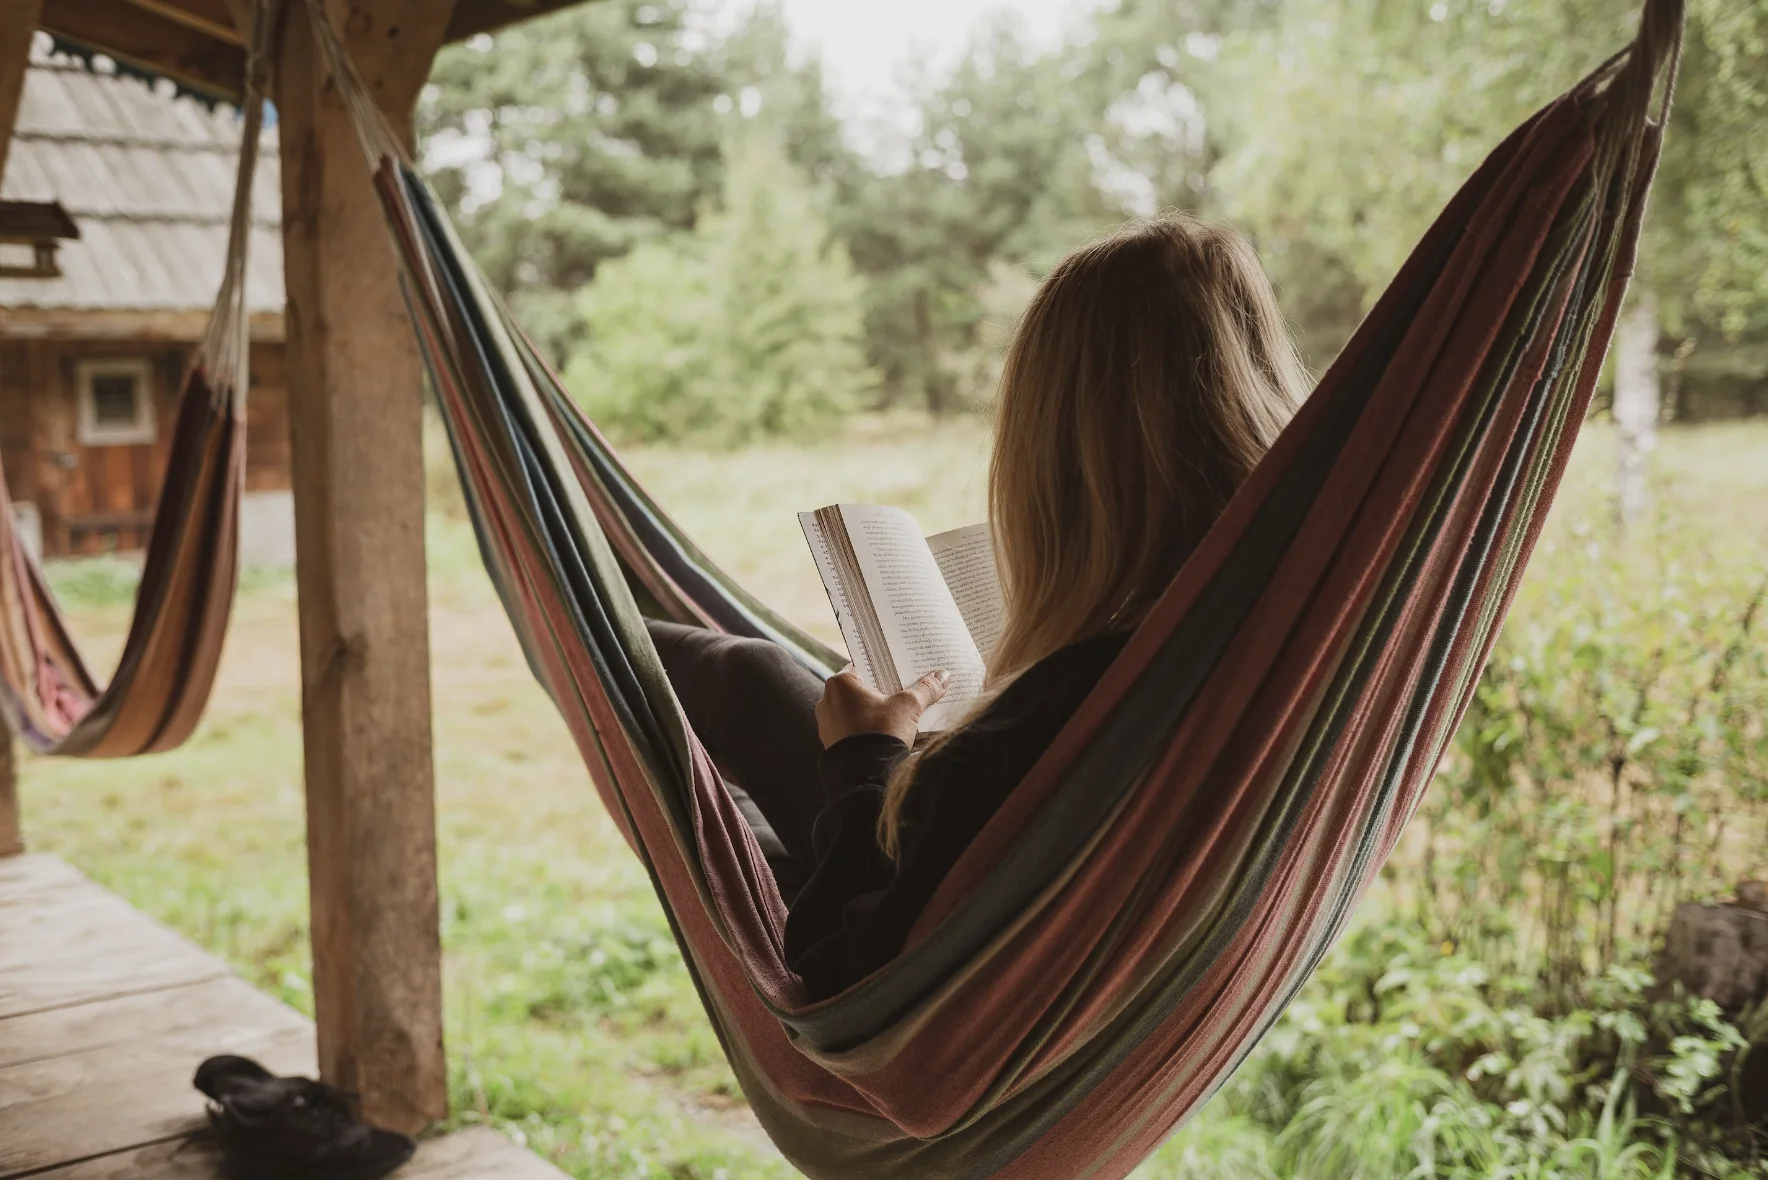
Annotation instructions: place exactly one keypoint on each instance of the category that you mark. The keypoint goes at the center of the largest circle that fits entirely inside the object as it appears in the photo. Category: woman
(1148, 376)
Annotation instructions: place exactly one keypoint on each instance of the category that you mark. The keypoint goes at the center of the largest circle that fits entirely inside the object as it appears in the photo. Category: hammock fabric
(1140, 910)
(167, 668)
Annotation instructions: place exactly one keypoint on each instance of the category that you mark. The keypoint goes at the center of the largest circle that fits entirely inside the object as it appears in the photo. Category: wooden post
(355, 406)
(12, 841)
(18, 24)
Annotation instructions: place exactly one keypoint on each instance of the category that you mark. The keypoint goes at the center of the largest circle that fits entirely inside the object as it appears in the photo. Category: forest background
(677, 213)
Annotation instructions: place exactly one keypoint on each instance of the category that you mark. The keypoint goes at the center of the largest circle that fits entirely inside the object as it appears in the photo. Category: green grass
(571, 1023)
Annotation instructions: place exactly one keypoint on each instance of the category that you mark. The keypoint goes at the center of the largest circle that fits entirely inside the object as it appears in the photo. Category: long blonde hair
(1146, 379)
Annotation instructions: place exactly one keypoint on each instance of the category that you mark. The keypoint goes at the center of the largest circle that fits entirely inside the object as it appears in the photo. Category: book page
(966, 561)
(841, 596)
(872, 641)
(920, 620)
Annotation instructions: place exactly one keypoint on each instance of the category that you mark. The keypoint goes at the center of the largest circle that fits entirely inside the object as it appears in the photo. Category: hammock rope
(1150, 897)
(167, 669)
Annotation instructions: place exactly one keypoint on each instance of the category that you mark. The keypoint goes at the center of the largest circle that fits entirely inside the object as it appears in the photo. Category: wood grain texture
(190, 1008)
(119, 1096)
(104, 1015)
(185, 1157)
(100, 1089)
(267, 421)
(137, 35)
(59, 323)
(472, 17)
(16, 397)
(12, 839)
(477, 1154)
(100, 499)
(355, 414)
(36, 873)
(79, 944)
(18, 24)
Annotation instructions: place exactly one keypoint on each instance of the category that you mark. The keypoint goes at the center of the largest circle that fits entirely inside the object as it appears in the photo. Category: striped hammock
(1166, 877)
(163, 678)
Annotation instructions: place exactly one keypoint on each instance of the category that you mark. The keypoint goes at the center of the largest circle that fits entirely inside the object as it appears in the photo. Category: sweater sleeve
(826, 926)
(855, 913)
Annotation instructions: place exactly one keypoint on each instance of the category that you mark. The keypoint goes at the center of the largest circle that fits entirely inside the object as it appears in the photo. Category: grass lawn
(571, 1023)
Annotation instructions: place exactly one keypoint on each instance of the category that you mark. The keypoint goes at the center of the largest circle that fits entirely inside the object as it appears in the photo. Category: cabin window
(116, 402)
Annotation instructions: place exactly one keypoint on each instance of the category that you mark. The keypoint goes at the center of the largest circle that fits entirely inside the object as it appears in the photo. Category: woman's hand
(849, 707)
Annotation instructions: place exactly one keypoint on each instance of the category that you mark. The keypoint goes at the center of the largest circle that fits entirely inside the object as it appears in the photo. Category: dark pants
(754, 709)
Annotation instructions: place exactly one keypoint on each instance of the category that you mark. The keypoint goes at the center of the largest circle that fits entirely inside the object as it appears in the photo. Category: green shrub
(1614, 761)
(1403, 1059)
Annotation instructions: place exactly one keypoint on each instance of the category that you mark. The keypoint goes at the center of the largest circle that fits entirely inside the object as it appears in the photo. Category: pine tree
(563, 142)
(751, 325)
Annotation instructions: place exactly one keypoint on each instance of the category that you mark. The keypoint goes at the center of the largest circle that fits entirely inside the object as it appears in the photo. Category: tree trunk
(932, 377)
(1636, 406)
(1720, 953)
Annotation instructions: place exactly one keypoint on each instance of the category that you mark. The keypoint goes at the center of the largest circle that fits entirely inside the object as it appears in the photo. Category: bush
(1404, 1059)
(1614, 761)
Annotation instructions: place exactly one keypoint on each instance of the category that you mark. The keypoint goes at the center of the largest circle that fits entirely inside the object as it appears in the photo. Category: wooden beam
(210, 17)
(171, 327)
(356, 417)
(149, 39)
(18, 24)
(12, 840)
(472, 17)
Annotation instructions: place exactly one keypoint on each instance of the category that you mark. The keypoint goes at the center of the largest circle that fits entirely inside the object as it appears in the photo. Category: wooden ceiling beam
(212, 18)
(201, 42)
(18, 24)
(146, 37)
(472, 17)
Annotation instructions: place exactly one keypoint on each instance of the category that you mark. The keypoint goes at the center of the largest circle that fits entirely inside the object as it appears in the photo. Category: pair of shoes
(275, 1128)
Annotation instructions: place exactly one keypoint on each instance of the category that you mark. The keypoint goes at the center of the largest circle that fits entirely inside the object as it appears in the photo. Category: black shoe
(219, 1077)
(272, 1128)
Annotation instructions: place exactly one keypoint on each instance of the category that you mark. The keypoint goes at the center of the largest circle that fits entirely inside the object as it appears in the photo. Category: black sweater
(855, 912)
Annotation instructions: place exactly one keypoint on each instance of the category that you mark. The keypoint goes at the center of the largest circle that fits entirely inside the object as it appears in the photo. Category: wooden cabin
(96, 330)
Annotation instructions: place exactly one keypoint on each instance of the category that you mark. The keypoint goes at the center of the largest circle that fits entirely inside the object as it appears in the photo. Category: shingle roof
(149, 180)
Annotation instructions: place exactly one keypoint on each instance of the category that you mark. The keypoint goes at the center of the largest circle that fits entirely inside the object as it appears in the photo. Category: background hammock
(163, 678)
(1170, 872)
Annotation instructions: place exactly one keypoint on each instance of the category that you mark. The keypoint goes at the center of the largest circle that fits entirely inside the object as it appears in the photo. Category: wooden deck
(104, 1015)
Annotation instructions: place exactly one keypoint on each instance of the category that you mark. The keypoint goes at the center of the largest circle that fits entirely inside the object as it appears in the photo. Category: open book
(907, 605)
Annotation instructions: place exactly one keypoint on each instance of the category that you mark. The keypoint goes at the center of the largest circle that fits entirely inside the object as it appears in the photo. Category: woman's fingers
(929, 689)
(850, 706)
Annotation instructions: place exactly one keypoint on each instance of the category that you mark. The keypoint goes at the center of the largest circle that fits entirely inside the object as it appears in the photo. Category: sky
(866, 45)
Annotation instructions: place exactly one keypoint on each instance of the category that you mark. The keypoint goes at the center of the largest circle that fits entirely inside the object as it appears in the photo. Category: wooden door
(115, 456)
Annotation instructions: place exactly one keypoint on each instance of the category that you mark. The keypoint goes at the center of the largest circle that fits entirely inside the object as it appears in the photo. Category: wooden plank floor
(104, 1015)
